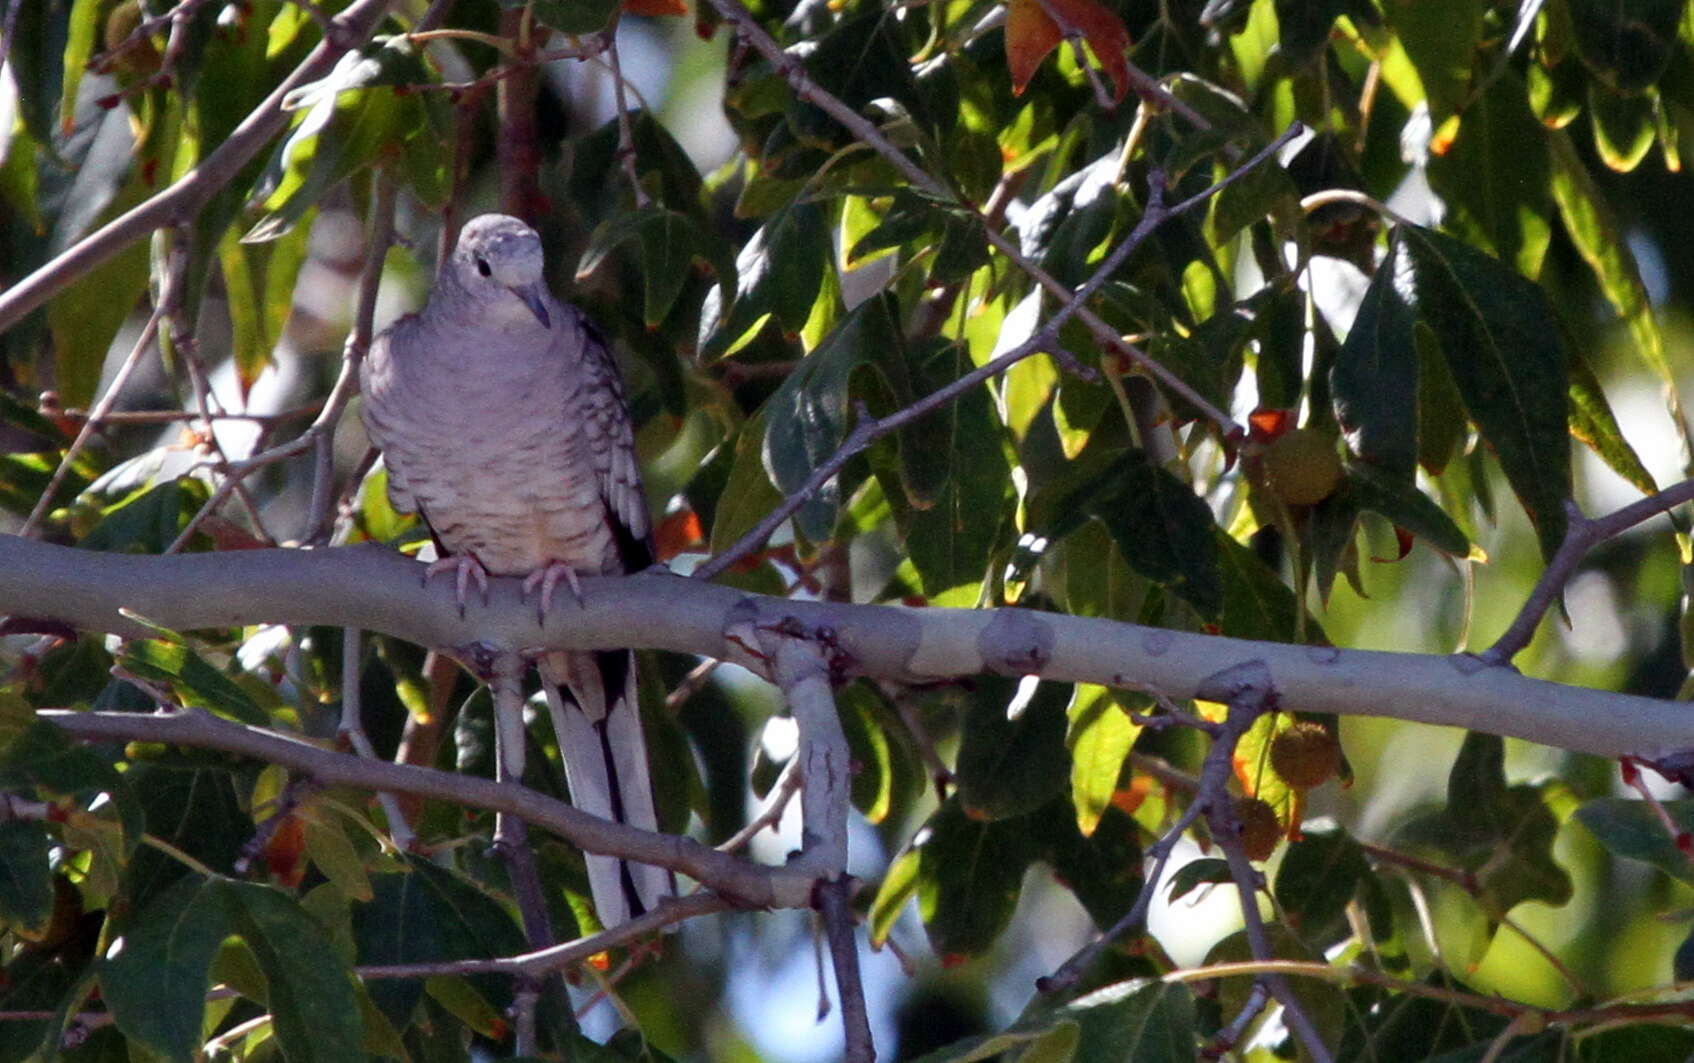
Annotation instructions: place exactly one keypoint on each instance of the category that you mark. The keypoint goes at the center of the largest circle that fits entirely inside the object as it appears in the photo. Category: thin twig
(834, 902)
(626, 135)
(353, 352)
(770, 813)
(170, 290)
(352, 728)
(1581, 535)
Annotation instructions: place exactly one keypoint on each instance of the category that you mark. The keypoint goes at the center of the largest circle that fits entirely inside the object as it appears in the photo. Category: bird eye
(482, 267)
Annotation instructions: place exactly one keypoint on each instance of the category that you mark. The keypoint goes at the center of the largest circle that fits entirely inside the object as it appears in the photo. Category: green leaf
(1206, 871)
(778, 274)
(1374, 379)
(1630, 829)
(426, 915)
(1508, 366)
(1101, 735)
(1626, 43)
(26, 879)
(576, 17)
(1102, 869)
(899, 884)
(806, 419)
(1406, 506)
(1503, 832)
(1624, 127)
(153, 978)
(1317, 880)
(1441, 40)
(43, 757)
(1592, 421)
(957, 480)
(1163, 530)
(669, 242)
(149, 519)
(1257, 604)
(195, 682)
(1012, 755)
(969, 876)
(1144, 1021)
(85, 317)
(1493, 177)
(309, 989)
(1304, 27)
(862, 59)
(1599, 238)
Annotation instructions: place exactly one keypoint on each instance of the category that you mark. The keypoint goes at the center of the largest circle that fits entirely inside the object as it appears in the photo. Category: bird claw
(548, 577)
(465, 568)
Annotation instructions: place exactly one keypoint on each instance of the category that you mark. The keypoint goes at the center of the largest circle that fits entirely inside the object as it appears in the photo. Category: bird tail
(597, 718)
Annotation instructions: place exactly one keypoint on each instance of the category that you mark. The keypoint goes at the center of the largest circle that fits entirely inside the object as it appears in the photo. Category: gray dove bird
(502, 423)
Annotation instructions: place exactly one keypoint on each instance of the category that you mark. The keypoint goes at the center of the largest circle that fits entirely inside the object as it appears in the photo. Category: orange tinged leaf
(656, 7)
(677, 532)
(1030, 35)
(1035, 27)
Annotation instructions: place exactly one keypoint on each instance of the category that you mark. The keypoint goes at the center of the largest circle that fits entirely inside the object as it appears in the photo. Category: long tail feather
(592, 699)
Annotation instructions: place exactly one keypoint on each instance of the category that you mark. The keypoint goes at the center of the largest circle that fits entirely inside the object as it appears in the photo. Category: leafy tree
(1243, 370)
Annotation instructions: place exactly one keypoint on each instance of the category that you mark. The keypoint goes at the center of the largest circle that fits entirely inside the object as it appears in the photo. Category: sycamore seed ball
(1306, 755)
(1302, 468)
(1260, 829)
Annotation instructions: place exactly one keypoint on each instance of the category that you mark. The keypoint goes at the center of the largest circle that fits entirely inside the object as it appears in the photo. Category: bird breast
(495, 466)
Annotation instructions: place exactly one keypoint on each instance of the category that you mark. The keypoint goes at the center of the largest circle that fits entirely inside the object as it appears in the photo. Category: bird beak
(536, 299)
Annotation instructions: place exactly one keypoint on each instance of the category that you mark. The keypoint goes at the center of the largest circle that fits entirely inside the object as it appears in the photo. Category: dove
(501, 418)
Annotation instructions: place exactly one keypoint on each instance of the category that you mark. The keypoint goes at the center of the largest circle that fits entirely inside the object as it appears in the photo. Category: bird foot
(547, 577)
(465, 568)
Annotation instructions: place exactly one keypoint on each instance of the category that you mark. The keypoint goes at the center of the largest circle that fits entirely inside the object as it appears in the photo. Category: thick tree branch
(379, 590)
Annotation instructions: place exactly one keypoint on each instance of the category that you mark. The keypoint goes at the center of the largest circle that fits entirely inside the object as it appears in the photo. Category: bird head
(499, 262)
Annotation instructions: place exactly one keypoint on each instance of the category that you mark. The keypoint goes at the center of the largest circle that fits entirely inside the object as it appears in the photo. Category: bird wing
(604, 416)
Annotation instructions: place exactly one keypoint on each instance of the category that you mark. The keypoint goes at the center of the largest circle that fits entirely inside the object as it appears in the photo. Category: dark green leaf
(1375, 376)
(1592, 421)
(43, 757)
(1503, 832)
(1623, 127)
(1206, 871)
(429, 914)
(1631, 830)
(196, 683)
(1626, 43)
(860, 60)
(1102, 869)
(1163, 530)
(1405, 505)
(806, 419)
(1257, 604)
(575, 17)
(1509, 367)
(26, 880)
(308, 987)
(957, 480)
(154, 977)
(1012, 755)
(1493, 177)
(778, 274)
(1441, 40)
(969, 877)
(1317, 880)
(1304, 26)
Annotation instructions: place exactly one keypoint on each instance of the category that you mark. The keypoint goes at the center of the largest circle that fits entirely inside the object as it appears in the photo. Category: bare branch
(748, 884)
(1581, 536)
(834, 903)
(379, 590)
